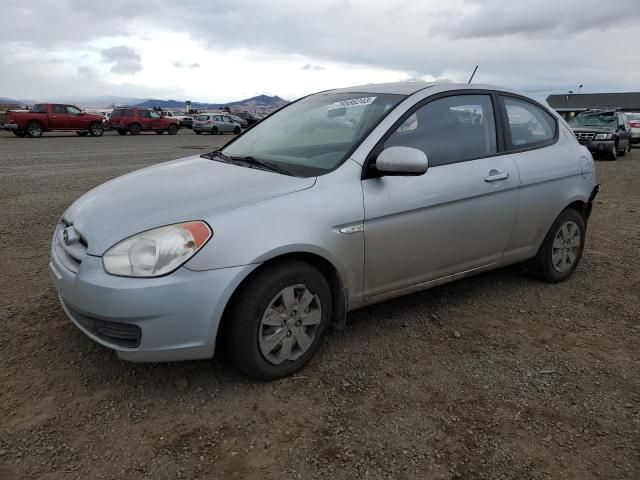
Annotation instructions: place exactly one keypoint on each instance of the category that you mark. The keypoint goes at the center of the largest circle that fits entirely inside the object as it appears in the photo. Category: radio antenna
(474, 72)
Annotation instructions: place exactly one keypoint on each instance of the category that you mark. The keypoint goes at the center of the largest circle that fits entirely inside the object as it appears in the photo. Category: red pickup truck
(47, 117)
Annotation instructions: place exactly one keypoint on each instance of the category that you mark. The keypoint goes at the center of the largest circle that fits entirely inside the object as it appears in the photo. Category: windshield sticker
(354, 102)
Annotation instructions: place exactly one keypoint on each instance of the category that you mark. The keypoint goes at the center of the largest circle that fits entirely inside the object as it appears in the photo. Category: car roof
(409, 88)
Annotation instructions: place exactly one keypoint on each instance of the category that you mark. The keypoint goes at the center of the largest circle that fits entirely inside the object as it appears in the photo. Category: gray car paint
(410, 232)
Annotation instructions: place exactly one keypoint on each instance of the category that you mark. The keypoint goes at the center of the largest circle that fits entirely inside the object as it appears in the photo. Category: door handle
(495, 175)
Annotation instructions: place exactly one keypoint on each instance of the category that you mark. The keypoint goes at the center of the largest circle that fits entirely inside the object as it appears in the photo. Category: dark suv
(605, 131)
(136, 120)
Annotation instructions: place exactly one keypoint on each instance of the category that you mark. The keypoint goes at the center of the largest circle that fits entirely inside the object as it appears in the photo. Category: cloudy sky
(217, 51)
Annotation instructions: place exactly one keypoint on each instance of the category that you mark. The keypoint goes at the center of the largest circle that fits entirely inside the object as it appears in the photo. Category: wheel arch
(321, 263)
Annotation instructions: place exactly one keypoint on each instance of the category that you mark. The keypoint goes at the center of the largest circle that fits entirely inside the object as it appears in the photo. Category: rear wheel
(278, 320)
(214, 131)
(96, 129)
(236, 130)
(562, 248)
(135, 129)
(34, 130)
(173, 129)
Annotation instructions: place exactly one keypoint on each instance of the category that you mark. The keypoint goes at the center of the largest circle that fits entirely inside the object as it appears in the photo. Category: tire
(197, 132)
(561, 250)
(236, 131)
(613, 154)
(172, 129)
(19, 133)
(245, 335)
(96, 129)
(121, 131)
(214, 131)
(135, 129)
(34, 130)
(159, 132)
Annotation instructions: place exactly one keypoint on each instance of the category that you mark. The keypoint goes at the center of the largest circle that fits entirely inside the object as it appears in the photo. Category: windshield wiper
(217, 154)
(264, 164)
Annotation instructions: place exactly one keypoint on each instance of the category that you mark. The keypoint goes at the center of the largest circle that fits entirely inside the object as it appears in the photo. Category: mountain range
(105, 101)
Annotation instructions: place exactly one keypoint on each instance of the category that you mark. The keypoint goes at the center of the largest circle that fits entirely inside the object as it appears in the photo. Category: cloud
(179, 64)
(123, 59)
(308, 66)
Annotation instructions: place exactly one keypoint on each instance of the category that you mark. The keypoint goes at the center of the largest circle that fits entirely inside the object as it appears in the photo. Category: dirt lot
(495, 377)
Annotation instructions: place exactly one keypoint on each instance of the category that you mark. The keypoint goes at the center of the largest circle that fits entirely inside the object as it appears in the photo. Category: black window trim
(509, 146)
(499, 117)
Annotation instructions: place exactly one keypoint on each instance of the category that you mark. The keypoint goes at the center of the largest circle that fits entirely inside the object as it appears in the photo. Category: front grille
(70, 251)
(585, 136)
(121, 334)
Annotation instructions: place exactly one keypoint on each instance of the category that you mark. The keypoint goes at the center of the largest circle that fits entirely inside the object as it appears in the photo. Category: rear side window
(449, 130)
(529, 125)
(144, 114)
(127, 113)
(39, 108)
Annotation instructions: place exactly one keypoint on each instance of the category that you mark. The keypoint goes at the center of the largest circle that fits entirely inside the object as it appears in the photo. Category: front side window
(58, 109)
(450, 129)
(529, 125)
(154, 114)
(314, 135)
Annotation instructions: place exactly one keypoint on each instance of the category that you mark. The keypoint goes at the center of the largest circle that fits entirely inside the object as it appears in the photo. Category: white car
(184, 120)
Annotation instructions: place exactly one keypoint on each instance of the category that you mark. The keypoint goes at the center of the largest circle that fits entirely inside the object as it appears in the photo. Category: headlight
(156, 252)
(603, 136)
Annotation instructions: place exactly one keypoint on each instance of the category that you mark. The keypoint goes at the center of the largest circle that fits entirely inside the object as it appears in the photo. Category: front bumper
(10, 126)
(599, 146)
(170, 318)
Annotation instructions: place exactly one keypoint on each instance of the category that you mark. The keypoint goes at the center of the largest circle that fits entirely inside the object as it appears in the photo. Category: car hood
(193, 188)
(593, 129)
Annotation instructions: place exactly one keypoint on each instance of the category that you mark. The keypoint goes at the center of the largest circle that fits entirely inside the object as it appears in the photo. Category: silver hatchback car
(339, 200)
(214, 124)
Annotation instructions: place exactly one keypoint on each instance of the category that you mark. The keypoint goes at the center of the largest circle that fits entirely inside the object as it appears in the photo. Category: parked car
(240, 121)
(604, 131)
(259, 246)
(183, 119)
(215, 124)
(137, 120)
(634, 123)
(49, 117)
(251, 118)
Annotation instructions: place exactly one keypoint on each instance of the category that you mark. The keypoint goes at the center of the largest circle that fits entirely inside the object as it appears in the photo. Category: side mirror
(402, 161)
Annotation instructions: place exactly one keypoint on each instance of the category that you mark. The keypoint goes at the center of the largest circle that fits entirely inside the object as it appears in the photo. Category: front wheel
(34, 130)
(96, 129)
(613, 154)
(135, 129)
(236, 130)
(277, 321)
(562, 248)
(173, 129)
(214, 131)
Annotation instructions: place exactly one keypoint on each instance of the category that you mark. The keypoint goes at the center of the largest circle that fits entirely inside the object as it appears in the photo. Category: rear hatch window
(202, 118)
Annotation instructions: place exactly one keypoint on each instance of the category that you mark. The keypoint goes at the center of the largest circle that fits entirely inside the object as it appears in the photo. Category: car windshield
(633, 116)
(314, 135)
(604, 119)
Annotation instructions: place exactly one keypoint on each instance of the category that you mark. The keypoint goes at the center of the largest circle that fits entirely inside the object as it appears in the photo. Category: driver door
(456, 217)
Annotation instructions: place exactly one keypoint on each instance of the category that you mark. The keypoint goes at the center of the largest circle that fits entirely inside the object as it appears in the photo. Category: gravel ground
(493, 377)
